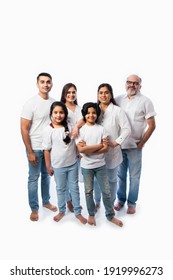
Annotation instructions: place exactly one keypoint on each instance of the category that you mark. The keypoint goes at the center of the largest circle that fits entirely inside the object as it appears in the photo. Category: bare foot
(97, 207)
(91, 220)
(50, 207)
(70, 206)
(118, 206)
(58, 217)
(34, 216)
(116, 222)
(131, 210)
(81, 219)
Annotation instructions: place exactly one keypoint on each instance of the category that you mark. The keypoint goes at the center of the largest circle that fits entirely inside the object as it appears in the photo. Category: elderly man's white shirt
(138, 109)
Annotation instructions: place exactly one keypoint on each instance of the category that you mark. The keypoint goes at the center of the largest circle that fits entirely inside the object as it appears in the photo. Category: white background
(87, 43)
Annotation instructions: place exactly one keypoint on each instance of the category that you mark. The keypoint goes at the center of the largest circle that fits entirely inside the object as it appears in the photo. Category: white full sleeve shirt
(138, 109)
(115, 122)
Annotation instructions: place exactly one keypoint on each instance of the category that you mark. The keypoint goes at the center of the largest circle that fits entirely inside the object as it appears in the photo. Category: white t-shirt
(138, 109)
(37, 110)
(74, 117)
(115, 121)
(92, 135)
(62, 154)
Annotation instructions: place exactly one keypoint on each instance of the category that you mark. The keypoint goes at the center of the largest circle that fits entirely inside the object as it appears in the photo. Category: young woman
(69, 98)
(61, 159)
(90, 143)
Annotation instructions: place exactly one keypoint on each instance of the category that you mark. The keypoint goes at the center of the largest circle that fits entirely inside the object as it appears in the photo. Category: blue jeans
(132, 163)
(33, 176)
(112, 179)
(80, 179)
(67, 177)
(101, 175)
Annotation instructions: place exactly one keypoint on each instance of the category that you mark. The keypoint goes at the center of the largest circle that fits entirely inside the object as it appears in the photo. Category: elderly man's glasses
(132, 83)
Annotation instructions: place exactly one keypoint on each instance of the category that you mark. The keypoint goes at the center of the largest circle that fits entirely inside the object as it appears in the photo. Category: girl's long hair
(67, 138)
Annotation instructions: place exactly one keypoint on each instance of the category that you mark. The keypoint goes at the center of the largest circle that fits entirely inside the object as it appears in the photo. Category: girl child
(69, 98)
(91, 144)
(61, 159)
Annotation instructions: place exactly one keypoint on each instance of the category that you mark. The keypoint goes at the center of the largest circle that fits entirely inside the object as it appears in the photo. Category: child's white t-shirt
(92, 135)
(62, 154)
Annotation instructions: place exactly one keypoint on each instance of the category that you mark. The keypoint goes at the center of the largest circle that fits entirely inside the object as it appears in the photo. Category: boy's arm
(83, 148)
(104, 149)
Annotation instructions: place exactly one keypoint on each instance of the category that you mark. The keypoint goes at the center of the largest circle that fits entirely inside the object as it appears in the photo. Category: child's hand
(106, 140)
(50, 171)
(82, 143)
(80, 156)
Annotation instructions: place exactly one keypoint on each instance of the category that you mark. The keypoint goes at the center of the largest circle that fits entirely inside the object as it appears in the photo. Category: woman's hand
(75, 131)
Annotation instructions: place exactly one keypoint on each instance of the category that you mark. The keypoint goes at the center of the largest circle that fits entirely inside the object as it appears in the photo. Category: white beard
(132, 91)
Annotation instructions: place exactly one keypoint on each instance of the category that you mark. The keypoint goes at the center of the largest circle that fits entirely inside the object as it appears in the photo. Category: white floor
(145, 235)
(145, 239)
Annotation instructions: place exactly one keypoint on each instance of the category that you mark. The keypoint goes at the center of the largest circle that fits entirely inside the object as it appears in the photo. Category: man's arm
(25, 128)
(151, 127)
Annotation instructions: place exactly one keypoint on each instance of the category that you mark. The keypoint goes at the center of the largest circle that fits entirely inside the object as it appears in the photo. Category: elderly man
(140, 112)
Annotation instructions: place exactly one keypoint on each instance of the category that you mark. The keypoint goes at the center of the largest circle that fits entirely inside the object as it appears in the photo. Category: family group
(100, 142)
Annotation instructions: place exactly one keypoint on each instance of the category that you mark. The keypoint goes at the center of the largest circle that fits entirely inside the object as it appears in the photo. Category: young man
(34, 117)
(140, 112)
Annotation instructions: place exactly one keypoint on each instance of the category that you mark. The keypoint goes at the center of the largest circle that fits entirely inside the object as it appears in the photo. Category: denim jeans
(67, 177)
(132, 163)
(33, 176)
(80, 179)
(112, 179)
(100, 174)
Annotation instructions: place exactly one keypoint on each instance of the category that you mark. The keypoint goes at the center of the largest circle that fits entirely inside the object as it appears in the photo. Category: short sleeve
(47, 138)
(149, 109)
(78, 139)
(27, 111)
(105, 133)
